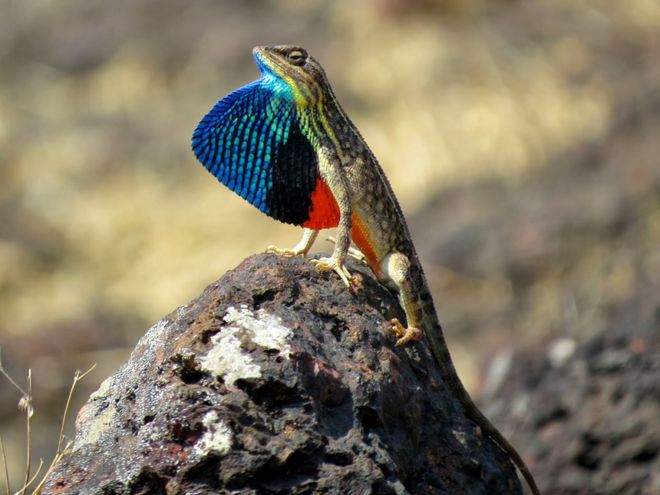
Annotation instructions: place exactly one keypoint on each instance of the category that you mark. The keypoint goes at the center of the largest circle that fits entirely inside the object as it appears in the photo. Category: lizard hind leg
(395, 270)
(300, 249)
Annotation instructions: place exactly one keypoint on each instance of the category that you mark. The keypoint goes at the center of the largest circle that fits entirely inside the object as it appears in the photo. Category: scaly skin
(369, 214)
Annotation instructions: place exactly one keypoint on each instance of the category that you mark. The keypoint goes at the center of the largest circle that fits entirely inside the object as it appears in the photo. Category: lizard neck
(326, 125)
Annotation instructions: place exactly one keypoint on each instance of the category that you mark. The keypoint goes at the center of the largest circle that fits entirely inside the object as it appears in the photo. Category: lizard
(284, 144)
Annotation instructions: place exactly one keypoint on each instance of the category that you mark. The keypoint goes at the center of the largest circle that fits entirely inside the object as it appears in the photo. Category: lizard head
(293, 66)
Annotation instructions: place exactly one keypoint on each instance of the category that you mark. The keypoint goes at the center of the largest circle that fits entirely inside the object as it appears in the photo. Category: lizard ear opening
(251, 141)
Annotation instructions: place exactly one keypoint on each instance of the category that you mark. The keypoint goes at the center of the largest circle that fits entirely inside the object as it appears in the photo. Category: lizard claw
(330, 264)
(406, 335)
(287, 252)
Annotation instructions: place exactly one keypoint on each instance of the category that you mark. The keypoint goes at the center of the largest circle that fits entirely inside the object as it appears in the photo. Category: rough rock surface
(594, 416)
(279, 380)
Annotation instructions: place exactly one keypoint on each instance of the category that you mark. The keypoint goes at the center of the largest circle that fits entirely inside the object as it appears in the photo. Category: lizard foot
(355, 253)
(406, 335)
(330, 264)
(287, 252)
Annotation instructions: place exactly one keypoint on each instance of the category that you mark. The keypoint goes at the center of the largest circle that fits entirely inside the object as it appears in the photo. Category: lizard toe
(331, 264)
(285, 251)
(405, 334)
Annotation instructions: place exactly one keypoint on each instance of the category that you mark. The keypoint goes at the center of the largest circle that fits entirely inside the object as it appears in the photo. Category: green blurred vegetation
(107, 222)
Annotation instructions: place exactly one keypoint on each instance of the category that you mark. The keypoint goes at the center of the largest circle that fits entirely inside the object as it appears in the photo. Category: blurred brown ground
(107, 222)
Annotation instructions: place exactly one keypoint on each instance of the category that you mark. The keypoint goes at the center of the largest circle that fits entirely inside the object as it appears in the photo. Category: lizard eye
(296, 57)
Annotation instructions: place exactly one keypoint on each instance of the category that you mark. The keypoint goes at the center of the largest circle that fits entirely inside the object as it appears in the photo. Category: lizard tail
(449, 375)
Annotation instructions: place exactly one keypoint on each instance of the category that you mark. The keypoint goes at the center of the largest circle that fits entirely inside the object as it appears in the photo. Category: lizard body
(285, 144)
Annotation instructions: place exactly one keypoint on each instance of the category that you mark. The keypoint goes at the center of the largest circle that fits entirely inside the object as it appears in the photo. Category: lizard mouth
(260, 57)
(267, 59)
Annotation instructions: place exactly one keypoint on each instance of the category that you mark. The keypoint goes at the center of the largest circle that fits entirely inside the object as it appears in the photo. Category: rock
(279, 380)
(594, 416)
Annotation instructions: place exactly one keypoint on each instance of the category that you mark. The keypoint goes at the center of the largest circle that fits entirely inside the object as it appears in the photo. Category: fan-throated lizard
(284, 144)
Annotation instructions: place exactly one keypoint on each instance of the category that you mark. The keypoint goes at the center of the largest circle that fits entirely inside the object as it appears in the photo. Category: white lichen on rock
(267, 330)
(217, 436)
(95, 427)
(103, 390)
(226, 357)
(460, 436)
(99, 415)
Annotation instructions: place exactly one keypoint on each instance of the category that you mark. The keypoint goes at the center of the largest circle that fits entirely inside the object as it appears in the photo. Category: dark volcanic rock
(595, 407)
(279, 380)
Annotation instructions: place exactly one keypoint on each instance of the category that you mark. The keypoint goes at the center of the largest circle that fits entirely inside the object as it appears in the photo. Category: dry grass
(25, 406)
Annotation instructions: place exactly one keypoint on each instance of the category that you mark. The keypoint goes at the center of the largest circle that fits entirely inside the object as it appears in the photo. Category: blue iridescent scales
(252, 141)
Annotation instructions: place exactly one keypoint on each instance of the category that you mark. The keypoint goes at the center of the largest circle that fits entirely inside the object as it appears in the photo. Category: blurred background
(521, 137)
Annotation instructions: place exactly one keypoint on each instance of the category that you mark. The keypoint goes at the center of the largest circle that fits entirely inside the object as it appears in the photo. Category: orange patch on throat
(362, 240)
(324, 212)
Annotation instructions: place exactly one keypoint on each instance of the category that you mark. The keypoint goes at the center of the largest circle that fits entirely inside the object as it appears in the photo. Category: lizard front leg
(395, 270)
(352, 252)
(302, 248)
(333, 174)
